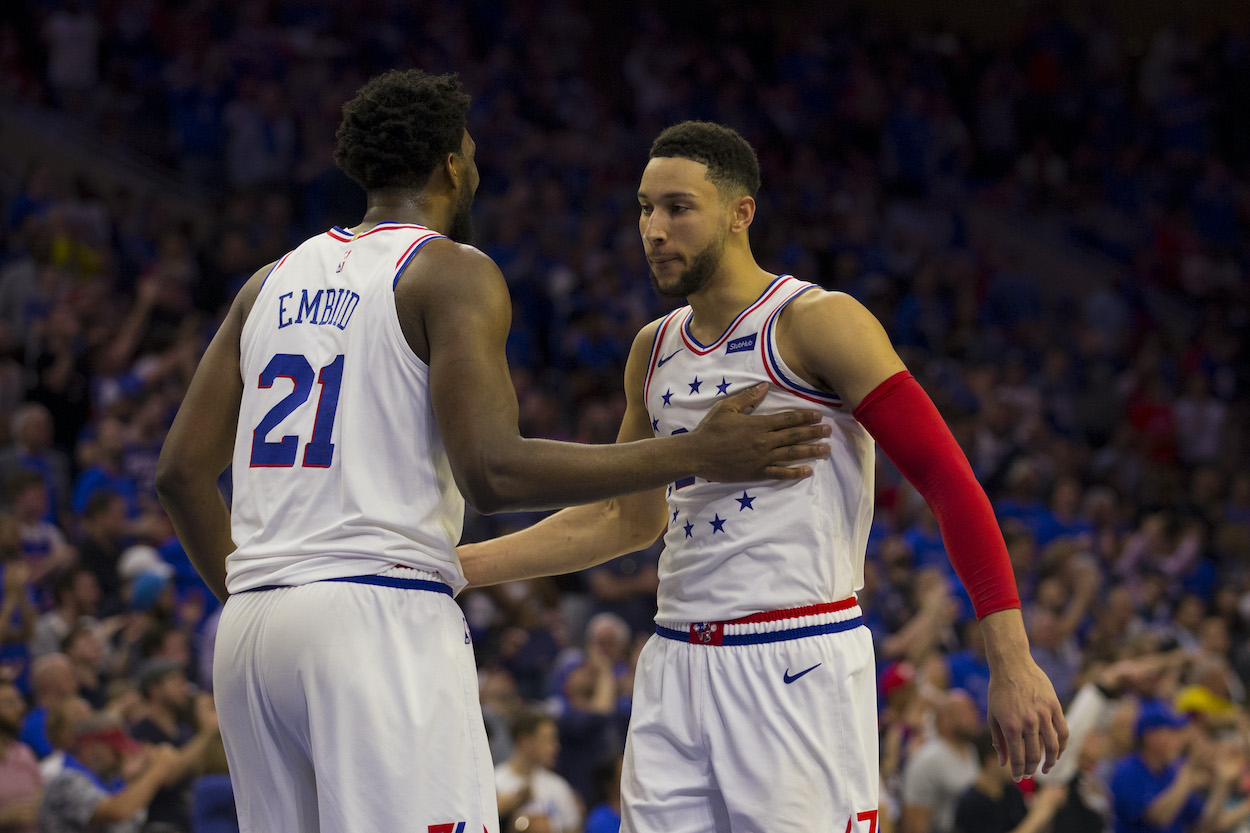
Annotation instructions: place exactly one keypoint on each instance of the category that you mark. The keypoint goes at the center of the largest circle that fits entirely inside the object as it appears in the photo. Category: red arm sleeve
(905, 423)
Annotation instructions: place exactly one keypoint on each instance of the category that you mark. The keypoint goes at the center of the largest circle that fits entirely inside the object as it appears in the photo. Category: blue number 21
(319, 451)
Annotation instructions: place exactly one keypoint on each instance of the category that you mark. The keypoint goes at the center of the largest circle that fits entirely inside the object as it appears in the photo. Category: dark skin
(455, 313)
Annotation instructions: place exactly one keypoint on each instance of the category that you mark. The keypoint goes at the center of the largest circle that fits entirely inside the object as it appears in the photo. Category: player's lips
(654, 259)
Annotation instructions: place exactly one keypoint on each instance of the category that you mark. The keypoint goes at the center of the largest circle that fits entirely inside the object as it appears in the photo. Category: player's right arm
(455, 311)
(581, 536)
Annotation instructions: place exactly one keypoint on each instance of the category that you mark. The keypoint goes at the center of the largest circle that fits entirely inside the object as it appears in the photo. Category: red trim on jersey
(794, 612)
(339, 237)
(774, 372)
(415, 243)
(655, 353)
(703, 351)
(389, 226)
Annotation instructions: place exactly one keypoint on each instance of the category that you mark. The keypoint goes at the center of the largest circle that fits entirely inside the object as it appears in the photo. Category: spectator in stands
(21, 786)
(942, 768)
(175, 718)
(1160, 786)
(62, 718)
(90, 793)
(17, 607)
(85, 650)
(605, 815)
(43, 545)
(103, 470)
(100, 548)
(76, 602)
(32, 449)
(994, 804)
(526, 786)
(52, 681)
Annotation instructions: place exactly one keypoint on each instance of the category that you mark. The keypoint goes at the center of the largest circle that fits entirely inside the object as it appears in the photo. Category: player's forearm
(547, 474)
(1167, 806)
(570, 540)
(137, 795)
(1006, 642)
(202, 524)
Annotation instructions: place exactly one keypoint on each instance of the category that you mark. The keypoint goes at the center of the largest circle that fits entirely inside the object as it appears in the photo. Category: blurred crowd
(1107, 419)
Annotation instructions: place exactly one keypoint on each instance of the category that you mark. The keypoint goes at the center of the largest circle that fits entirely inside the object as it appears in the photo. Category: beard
(461, 230)
(696, 276)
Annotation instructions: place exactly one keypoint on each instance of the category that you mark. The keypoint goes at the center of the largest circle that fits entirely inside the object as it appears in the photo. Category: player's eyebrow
(671, 195)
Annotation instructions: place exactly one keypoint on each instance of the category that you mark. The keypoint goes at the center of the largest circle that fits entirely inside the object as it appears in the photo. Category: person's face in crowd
(461, 229)
(31, 503)
(36, 433)
(113, 519)
(12, 710)
(173, 692)
(86, 649)
(684, 225)
(86, 590)
(542, 747)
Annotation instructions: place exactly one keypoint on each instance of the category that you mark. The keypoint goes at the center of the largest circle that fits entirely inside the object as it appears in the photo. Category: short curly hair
(731, 162)
(399, 126)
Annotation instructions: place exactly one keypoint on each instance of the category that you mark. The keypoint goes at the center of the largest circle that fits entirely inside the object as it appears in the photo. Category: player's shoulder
(451, 268)
(822, 303)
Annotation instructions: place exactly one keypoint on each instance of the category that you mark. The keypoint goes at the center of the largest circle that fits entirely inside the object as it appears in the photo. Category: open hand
(1026, 719)
(737, 446)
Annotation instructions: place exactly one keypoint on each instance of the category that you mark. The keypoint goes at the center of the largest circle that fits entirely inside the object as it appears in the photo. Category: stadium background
(1046, 204)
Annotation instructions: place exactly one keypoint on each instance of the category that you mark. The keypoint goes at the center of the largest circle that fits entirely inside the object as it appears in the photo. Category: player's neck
(736, 285)
(404, 206)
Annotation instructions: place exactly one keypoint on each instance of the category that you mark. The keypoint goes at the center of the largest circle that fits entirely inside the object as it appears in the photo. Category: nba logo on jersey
(343, 261)
(451, 827)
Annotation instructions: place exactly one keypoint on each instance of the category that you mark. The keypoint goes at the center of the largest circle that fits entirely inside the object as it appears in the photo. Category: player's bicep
(467, 317)
(840, 343)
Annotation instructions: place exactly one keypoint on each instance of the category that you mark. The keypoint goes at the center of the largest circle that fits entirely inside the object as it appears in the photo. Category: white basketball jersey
(339, 466)
(733, 549)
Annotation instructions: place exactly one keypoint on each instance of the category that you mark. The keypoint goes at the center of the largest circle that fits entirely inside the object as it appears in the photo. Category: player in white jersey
(359, 385)
(754, 703)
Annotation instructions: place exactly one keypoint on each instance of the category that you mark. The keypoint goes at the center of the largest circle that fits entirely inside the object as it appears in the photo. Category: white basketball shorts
(758, 725)
(348, 707)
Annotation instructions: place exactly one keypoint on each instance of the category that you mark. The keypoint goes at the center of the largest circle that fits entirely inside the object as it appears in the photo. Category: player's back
(339, 466)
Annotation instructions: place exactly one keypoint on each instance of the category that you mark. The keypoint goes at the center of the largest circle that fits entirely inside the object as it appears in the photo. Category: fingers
(790, 419)
(1048, 734)
(1000, 742)
(744, 401)
(787, 472)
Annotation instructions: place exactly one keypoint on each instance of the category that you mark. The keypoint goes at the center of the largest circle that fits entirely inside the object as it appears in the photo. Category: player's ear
(742, 213)
(455, 170)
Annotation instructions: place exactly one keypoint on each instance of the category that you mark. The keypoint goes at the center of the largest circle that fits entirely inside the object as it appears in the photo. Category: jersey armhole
(778, 372)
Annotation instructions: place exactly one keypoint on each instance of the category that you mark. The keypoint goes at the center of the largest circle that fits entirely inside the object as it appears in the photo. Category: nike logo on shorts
(663, 359)
(787, 679)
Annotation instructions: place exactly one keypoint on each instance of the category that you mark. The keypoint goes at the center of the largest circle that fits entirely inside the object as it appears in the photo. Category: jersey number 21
(319, 451)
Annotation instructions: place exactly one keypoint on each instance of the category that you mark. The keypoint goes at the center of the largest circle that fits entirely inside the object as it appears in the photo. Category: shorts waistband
(387, 579)
(769, 626)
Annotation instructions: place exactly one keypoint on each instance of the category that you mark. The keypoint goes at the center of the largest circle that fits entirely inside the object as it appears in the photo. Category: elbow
(496, 484)
(172, 478)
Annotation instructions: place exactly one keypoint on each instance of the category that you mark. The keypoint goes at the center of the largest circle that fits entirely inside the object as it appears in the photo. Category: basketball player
(754, 704)
(359, 386)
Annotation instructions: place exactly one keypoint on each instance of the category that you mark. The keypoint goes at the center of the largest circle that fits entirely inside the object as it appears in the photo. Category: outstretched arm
(455, 308)
(581, 536)
(831, 340)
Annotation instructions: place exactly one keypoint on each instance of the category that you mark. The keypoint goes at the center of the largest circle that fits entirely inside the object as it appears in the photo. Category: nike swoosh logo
(661, 362)
(787, 679)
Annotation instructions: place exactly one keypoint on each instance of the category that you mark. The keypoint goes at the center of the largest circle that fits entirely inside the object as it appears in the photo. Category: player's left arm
(830, 339)
(200, 445)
